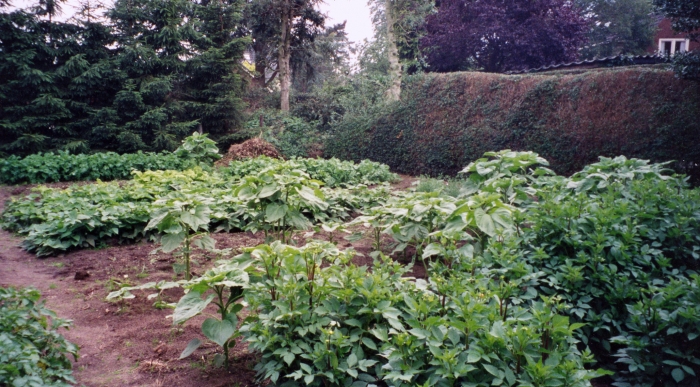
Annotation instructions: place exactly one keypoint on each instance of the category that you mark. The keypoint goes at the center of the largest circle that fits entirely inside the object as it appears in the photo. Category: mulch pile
(249, 149)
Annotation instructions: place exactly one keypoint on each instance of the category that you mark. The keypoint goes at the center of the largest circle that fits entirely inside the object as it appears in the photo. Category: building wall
(665, 31)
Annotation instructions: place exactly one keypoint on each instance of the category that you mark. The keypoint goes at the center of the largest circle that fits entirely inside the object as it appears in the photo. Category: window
(669, 47)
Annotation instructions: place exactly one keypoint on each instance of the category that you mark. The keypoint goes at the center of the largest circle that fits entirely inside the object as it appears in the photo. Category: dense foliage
(445, 121)
(63, 166)
(528, 277)
(48, 168)
(157, 72)
(33, 352)
(499, 35)
(277, 198)
(344, 325)
(332, 172)
(619, 27)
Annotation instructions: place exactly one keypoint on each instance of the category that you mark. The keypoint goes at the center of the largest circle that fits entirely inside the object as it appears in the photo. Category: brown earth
(131, 343)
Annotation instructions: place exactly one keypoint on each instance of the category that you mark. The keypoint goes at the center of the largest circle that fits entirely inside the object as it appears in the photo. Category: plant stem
(186, 254)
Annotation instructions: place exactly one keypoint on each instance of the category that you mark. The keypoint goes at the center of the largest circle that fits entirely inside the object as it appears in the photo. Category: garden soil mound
(249, 149)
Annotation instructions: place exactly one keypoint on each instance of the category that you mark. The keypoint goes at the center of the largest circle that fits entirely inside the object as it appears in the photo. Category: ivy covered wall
(445, 121)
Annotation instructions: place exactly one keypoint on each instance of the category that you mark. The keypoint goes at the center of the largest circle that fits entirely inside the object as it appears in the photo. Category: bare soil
(131, 343)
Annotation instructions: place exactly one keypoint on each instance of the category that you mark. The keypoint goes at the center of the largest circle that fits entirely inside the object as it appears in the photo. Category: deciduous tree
(618, 27)
(500, 35)
(399, 25)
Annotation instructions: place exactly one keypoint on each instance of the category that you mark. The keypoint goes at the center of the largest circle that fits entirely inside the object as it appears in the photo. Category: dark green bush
(32, 352)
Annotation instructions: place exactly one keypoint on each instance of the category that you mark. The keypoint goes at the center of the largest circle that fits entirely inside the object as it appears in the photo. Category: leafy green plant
(224, 285)
(620, 244)
(341, 325)
(63, 166)
(507, 173)
(33, 351)
(333, 172)
(183, 220)
(53, 220)
(198, 147)
(227, 283)
(281, 202)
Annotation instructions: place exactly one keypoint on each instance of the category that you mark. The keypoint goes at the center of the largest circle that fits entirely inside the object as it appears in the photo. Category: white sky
(355, 12)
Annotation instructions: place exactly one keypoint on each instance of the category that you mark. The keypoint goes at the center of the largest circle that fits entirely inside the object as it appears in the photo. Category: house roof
(619, 60)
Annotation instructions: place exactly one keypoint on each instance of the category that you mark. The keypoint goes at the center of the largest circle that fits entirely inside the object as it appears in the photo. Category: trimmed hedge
(445, 121)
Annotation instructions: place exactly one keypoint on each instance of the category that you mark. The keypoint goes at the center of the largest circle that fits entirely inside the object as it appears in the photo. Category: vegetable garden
(531, 279)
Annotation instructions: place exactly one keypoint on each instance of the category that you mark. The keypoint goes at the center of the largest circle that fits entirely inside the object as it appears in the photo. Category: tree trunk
(394, 92)
(260, 66)
(284, 56)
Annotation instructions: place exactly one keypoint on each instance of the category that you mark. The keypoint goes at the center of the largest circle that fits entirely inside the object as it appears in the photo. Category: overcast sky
(355, 12)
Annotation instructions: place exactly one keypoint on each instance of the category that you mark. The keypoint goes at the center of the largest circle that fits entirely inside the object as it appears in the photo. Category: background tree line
(142, 74)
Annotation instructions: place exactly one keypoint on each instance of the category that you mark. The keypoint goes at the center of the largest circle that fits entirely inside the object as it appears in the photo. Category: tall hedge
(445, 121)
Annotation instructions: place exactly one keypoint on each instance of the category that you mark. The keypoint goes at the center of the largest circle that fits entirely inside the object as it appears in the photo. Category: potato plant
(32, 351)
(531, 275)
(345, 325)
(55, 220)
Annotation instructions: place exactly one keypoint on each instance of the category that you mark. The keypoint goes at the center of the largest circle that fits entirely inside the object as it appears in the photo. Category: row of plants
(530, 276)
(63, 166)
(33, 351)
(332, 172)
(610, 253)
(323, 321)
(274, 200)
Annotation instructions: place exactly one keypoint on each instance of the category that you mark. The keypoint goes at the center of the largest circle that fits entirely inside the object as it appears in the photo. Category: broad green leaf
(380, 333)
(205, 242)
(197, 217)
(311, 199)
(268, 191)
(190, 305)
(369, 343)
(274, 212)
(492, 370)
(170, 242)
(484, 222)
(678, 375)
(218, 331)
(432, 249)
(288, 358)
